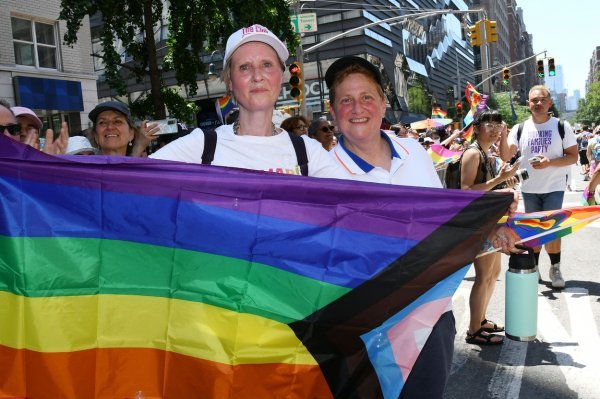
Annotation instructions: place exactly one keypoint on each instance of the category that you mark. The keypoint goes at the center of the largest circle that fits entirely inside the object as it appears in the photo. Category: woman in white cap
(254, 64)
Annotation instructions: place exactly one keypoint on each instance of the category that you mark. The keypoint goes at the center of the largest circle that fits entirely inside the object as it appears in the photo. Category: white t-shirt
(411, 165)
(543, 139)
(268, 153)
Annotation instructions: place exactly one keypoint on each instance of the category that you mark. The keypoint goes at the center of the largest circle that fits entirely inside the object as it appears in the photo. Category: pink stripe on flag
(408, 337)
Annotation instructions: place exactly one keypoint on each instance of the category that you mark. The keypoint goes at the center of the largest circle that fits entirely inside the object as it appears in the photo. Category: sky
(569, 31)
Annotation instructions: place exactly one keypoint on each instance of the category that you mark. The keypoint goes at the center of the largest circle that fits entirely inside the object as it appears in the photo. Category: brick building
(39, 72)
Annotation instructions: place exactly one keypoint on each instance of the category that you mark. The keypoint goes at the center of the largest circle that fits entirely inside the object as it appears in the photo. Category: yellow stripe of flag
(72, 323)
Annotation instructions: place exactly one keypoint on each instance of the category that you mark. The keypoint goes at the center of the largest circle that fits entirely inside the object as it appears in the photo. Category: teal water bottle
(521, 296)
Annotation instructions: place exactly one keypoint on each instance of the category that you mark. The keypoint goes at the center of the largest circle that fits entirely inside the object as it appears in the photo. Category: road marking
(460, 304)
(574, 357)
(508, 374)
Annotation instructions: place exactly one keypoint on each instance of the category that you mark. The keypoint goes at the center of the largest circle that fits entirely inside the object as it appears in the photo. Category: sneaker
(556, 276)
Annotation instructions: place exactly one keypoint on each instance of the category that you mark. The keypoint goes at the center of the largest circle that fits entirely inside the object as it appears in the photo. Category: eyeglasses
(300, 127)
(326, 129)
(13, 129)
(493, 126)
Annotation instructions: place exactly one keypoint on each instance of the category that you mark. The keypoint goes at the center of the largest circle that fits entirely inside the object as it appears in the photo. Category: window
(34, 43)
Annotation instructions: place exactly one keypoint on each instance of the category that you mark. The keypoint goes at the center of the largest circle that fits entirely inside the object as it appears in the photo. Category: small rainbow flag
(467, 133)
(224, 106)
(473, 96)
(437, 112)
(440, 154)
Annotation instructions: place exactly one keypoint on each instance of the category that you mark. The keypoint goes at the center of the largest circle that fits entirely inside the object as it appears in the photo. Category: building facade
(431, 52)
(36, 71)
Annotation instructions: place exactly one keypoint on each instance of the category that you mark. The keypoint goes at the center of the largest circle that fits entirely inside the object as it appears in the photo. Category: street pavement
(564, 360)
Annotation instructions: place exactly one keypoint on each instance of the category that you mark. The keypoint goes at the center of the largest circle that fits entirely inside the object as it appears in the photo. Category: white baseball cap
(79, 144)
(255, 33)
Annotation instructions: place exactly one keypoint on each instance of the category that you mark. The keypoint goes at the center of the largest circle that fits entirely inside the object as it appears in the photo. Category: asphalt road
(564, 360)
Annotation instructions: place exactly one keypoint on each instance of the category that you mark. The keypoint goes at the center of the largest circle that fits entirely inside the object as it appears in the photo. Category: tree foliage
(588, 111)
(418, 100)
(195, 29)
(501, 102)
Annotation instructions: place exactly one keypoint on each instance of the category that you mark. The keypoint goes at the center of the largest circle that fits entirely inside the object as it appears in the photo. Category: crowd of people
(351, 146)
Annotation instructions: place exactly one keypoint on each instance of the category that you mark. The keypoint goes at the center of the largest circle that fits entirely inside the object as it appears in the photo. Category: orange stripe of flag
(120, 373)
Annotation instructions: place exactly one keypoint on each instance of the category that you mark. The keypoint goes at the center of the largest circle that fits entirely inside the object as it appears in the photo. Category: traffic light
(459, 110)
(551, 67)
(491, 33)
(506, 76)
(475, 34)
(297, 91)
(540, 68)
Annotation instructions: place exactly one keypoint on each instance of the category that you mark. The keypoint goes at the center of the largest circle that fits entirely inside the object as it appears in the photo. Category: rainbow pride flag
(440, 154)
(437, 112)
(224, 106)
(473, 97)
(467, 133)
(538, 228)
(124, 275)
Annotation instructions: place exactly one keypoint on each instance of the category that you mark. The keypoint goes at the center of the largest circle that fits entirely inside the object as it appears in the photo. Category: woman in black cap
(358, 106)
(114, 132)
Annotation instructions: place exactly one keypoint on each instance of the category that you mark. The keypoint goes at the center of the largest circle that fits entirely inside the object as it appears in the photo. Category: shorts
(543, 202)
(583, 159)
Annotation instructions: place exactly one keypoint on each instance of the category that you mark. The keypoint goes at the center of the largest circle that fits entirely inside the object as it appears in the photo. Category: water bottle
(521, 296)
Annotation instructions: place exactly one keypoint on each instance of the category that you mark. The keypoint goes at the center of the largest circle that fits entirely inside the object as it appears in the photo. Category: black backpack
(452, 176)
(210, 144)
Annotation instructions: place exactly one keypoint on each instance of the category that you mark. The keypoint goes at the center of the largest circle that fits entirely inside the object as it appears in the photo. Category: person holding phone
(548, 162)
(478, 173)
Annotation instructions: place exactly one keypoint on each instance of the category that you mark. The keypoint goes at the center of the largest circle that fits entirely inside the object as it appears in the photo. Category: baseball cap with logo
(255, 33)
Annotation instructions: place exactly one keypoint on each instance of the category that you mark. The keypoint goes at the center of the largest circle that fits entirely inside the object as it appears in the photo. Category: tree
(418, 100)
(501, 102)
(588, 111)
(195, 28)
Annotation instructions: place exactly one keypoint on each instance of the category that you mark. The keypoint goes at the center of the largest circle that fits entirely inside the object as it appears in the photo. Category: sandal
(493, 329)
(480, 337)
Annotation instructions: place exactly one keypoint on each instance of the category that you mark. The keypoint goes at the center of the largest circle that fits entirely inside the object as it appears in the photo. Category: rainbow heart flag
(129, 275)
(538, 228)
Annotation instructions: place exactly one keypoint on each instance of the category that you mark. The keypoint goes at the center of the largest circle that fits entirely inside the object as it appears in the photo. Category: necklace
(236, 128)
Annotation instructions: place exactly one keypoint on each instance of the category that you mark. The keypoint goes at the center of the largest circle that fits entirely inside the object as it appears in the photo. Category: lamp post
(212, 69)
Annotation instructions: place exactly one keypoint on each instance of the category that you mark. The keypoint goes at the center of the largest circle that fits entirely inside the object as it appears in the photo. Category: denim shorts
(543, 202)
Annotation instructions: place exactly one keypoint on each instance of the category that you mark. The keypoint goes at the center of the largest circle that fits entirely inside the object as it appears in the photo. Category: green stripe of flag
(39, 267)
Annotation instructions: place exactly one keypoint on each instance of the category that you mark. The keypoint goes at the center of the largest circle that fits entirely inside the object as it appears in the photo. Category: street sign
(305, 23)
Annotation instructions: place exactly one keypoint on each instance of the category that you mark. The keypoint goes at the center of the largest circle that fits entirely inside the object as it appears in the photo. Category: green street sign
(304, 23)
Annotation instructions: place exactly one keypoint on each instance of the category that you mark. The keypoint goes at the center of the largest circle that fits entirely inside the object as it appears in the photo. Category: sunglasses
(13, 129)
(326, 129)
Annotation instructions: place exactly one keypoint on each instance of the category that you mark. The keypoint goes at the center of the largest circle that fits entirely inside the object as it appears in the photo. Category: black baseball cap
(110, 106)
(343, 63)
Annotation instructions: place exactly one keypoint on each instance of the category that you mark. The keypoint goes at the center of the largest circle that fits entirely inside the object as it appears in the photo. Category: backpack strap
(210, 144)
(519, 131)
(561, 129)
(301, 155)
